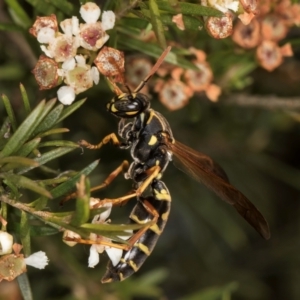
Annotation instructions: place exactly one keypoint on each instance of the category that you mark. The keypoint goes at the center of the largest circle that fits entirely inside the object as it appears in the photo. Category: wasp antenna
(154, 69)
(116, 89)
(128, 88)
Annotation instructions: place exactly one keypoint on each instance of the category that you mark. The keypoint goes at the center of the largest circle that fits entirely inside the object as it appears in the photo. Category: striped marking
(137, 220)
(121, 276)
(152, 113)
(113, 108)
(155, 229)
(162, 195)
(129, 113)
(143, 248)
(165, 216)
(122, 96)
(142, 117)
(133, 265)
(153, 140)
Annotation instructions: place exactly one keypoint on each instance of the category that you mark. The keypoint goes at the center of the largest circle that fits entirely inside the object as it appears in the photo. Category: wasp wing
(203, 169)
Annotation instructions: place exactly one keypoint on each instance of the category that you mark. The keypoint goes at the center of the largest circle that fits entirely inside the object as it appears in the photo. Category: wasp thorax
(128, 105)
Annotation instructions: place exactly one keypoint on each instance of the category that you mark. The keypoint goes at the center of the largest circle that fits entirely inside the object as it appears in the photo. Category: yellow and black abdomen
(132, 259)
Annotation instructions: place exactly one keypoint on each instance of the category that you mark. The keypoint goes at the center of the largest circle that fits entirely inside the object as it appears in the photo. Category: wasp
(149, 137)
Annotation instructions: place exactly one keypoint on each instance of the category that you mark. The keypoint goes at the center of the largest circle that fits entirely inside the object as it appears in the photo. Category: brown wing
(203, 169)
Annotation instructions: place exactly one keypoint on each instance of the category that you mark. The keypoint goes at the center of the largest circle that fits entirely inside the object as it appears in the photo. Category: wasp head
(128, 105)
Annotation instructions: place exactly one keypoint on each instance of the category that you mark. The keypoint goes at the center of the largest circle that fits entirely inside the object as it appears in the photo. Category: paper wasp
(152, 147)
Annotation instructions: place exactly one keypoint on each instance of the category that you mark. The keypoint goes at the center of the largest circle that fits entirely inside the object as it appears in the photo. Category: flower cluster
(14, 264)
(63, 61)
(266, 30)
(221, 27)
(175, 86)
(99, 243)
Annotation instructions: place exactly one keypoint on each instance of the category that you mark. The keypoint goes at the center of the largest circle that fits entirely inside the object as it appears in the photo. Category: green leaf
(46, 111)
(134, 22)
(10, 27)
(3, 214)
(41, 203)
(26, 183)
(10, 112)
(48, 156)
(119, 228)
(19, 13)
(5, 130)
(28, 147)
(214, 293)
(17, 161)
(54, 181)
(189, 9)
(43, 7)
(25, 234)
(50, 119)
(190, 23)
(53, 131)
(24, 286)
(157, 24)
(14, 189)
(59, 143)
(69, 185)
(65, 6)
(23, 132)
(25, 99)
(70, 109)
(82, 210)
(155, 51)
(43, 230)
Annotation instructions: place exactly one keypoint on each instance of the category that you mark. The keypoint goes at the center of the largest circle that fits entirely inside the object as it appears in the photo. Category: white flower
(66, 95)
(38, 260)
(46, 51)
(108, 20)
(90, 12)
(6, 243)
(95, 75)
(114, 254)
(222, 5)
(80, 60)
(71, 235)
(75, 25)
(69, 64)
(45, 35)
(67, 27)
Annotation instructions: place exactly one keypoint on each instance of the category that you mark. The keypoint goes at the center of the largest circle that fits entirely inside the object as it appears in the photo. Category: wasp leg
(153, 173)
(133, 239)
(110, 178)
(111, 137)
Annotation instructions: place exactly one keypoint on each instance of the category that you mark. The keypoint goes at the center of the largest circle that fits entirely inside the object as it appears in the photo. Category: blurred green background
(207, 250)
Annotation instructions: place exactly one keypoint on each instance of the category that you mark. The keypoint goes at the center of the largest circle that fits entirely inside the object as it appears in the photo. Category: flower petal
(6, 242)
(94, 257)
(103, 216)
(69, 64)
(114, 254)
(38, 260)
(95, 75)
(66, 95)
(90, 12)
(126, 237)
(45, 35)
(108, 20)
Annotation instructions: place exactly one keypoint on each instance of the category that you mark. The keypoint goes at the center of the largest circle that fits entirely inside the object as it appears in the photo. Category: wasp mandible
(149, 137)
